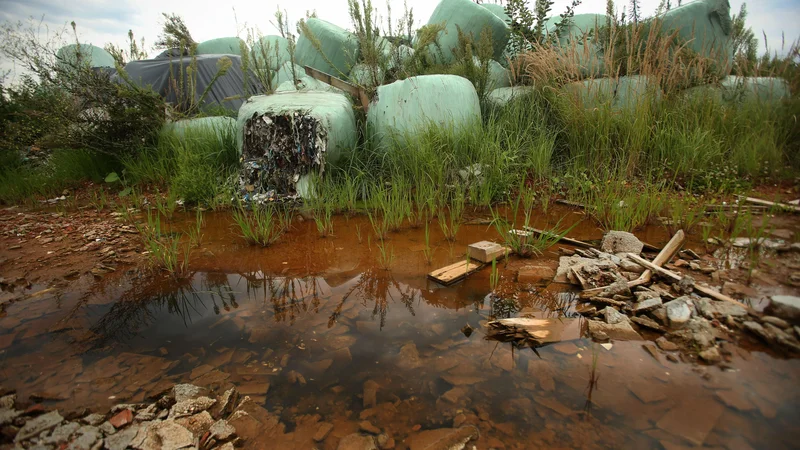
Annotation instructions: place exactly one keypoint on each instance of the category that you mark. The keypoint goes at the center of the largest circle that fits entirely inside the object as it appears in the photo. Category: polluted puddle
(316, 330)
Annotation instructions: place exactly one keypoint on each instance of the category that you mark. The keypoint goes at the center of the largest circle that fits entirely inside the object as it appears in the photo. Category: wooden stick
(678, 278)
(759, 201)
(663, 257)
(564, 239)
(350, 88)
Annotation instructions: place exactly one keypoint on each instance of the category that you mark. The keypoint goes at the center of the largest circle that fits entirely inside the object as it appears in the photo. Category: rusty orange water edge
(303, 325)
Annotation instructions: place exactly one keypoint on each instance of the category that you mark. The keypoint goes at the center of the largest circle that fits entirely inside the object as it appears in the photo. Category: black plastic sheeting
(162, 74)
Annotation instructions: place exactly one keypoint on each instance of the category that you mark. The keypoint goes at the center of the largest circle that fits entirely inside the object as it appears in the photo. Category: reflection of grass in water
(594, 377)
(289, 295)
(375, 285)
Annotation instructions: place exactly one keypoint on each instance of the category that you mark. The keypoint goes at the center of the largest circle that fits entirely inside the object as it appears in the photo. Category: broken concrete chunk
(785, 306)
(621, 242)
(622, 331)
(647, 323)
(678, 312)
(776, 321)
(711, 309)
(613, 316)
(646, 305)
(35, 426)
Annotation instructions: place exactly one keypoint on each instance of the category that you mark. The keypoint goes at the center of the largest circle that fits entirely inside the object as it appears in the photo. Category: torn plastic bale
(339, 48)
(407, 106)
(288, 136)
(471, 18)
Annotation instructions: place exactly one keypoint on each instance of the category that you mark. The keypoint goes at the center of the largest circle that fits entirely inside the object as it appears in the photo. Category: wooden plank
(678, 278)
(784, 206)
(454, 272)
(486, 251)
(338, 83)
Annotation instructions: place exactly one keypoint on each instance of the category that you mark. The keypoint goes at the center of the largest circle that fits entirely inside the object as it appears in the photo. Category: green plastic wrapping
(405, 107)
(339, 48)
(635, 91)
(577, 43)
(499, 76)
(706, 27)
(470, 18)
(593, 93)
(759, 89)
(363, 75)
(284, 74)
(220, 46)
(625, 94)
(90, 54)
(306, 83)
(498, 10)
(286, 137)
(274, 48)
(502, 96)
(220, 124)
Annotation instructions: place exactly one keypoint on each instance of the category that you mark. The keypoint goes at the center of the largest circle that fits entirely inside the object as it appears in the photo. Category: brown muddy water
(305, 325)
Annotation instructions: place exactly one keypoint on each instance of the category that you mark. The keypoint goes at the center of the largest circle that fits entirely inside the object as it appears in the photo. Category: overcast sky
(102, 21)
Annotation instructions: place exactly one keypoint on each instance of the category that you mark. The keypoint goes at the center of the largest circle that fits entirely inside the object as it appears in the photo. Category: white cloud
(102, 21)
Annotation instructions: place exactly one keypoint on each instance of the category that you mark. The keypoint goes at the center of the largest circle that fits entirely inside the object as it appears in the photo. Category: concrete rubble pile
(619, 305)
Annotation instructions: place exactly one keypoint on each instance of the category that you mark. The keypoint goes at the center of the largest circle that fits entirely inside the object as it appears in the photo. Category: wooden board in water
(454, 272)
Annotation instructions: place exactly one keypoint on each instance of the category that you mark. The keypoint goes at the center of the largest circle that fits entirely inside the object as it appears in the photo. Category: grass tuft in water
(264, 225)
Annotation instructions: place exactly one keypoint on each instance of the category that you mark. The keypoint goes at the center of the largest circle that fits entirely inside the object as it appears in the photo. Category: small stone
(666, 345)
(183, 392)
(467, 330)
(62, 433)
(613, 316)
(777, 321)
(94, 419)
(370, 394)
(710, 355)
(621, 331)
(368, 427)
(122, 418)
(35, 426)
(190, 407)
(385, 442)
(8, 401)
(322, 431)
(221, 430)
(409, 357)
(678, 312)
(621, 242)
(647, 323)
(122, 439)
(651, 348)
(107, 428)
(647, 305)
(357, 441)
(88, 436)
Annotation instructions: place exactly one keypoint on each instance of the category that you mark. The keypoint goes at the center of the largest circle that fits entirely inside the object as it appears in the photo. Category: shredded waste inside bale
(277, 150)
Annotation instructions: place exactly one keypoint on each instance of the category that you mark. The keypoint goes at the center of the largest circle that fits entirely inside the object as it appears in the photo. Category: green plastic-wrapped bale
(286, 137)
(339, 48)
(577, 42)
(498, 10)
(364, 75)
(272, 51)
(93, 56)
(222, 126)
(285, 74)
(635, 91)
(221, 46)
(405, 107)
(625, 94)
(503, 96)
(499, 76)
(705, 26)
(306, 83)
(471, 18)
(768, 90)
(594, 93)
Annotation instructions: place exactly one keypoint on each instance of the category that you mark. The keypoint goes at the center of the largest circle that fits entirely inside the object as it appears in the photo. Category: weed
(358, 232)
(683, 213)
(427, 251)
(195, 232)
(264, 225)
(386, 256)
(494, 276)
(454, 205)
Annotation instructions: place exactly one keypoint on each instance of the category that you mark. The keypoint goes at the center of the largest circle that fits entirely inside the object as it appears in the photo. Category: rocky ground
(191, 417)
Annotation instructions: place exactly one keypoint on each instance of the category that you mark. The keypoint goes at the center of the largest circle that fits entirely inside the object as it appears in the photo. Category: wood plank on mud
(454, 272)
